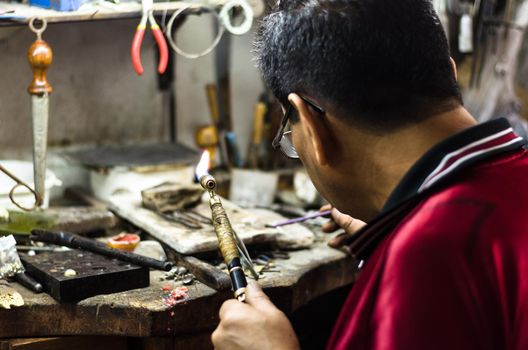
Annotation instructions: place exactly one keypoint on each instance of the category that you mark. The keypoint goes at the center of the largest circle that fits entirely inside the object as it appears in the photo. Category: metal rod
(77, 242)
(301, 219)
(28, 282)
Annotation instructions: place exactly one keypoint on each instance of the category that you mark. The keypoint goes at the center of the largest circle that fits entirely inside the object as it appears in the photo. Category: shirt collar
(430, 172)
(453, 154)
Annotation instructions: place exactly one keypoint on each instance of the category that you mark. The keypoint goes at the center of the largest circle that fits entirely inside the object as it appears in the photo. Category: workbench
(307, 274)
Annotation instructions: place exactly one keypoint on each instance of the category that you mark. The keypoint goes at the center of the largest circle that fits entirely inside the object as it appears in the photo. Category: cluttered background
(126, 131)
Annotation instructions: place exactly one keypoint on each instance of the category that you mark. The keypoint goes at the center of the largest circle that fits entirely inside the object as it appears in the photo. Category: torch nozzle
(208, 182)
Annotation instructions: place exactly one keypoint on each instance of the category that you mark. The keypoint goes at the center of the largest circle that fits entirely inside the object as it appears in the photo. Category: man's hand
(256, 324)
(340, 221)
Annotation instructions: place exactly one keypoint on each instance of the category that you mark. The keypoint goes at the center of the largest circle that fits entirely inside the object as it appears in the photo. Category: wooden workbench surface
(142, 313)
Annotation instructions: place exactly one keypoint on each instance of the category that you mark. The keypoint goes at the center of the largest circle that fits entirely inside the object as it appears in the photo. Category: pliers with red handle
(135, 50)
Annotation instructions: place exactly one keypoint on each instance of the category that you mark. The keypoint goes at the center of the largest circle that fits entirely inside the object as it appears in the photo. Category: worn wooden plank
(64, 343)
(82, 219)
(249, 224)
(142, 312)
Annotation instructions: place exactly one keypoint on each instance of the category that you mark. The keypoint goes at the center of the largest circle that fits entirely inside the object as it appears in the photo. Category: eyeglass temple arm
(276, 141)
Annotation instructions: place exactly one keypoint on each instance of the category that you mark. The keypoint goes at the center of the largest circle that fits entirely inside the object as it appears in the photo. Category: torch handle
(228, 248)
(224, 231)
(238, 279)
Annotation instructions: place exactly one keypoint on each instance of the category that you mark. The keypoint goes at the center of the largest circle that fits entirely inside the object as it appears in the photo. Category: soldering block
(95, 274)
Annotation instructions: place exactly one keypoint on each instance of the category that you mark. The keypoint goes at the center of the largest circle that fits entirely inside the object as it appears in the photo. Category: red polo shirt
(446, 263)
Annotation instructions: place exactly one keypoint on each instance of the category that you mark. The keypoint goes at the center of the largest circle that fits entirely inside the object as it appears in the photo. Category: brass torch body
(226, 240)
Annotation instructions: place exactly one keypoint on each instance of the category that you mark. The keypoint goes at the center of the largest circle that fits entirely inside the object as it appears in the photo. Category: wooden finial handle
(39, 57)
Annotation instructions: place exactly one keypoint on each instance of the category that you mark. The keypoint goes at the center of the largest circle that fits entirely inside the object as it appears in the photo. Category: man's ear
(314, 127)
(453, 64)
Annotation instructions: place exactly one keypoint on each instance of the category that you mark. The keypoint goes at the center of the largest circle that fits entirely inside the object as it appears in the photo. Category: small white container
(253, 188)
(24, 171)
(109, 182)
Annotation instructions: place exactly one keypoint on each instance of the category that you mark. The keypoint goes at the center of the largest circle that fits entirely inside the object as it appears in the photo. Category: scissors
(135, 50)
(20, 183)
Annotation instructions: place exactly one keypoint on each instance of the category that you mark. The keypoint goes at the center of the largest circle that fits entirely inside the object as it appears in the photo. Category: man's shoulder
(485, 205)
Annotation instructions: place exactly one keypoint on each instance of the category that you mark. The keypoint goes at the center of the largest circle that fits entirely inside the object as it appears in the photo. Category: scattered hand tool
(28, 282)
(158, 36)
(301, 219)
(203, 271)
(77, 242)
(188, 218)
(182, 219)
(40, 57)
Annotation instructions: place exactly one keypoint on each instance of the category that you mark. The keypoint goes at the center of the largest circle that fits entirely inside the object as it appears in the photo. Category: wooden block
(71, 219)
(96, 274)
(169, 197)
(82, 219)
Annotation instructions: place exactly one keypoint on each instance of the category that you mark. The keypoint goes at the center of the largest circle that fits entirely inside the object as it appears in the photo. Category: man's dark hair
(381, 63)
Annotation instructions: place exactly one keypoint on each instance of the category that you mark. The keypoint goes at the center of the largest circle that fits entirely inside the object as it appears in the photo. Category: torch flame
(203, 165)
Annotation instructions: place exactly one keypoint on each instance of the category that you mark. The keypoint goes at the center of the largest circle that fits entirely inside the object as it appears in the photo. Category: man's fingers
(325, 207)
(330, 226)
(216, 338)
(257, 298)
(339, 240)
(231, 306)
(346, 222)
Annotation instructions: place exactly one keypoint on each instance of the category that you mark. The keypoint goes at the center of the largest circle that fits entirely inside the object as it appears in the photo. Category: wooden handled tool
(213, 103)
(39, 57)
(207, 138)
(256, 138)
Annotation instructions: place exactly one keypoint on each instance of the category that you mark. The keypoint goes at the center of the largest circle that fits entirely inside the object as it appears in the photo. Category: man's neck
(386, 159)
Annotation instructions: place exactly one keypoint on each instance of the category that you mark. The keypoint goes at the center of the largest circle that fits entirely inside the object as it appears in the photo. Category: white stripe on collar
(440, 172)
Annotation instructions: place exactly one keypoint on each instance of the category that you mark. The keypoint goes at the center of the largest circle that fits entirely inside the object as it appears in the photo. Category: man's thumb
(256, 297)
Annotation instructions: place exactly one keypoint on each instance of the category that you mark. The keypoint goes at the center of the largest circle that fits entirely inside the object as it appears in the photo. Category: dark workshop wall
(98, 99)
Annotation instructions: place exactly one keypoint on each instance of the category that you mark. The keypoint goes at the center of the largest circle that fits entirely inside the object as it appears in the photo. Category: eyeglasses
(283, 139)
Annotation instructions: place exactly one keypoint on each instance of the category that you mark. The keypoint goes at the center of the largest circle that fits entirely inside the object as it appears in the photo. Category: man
(376, 117)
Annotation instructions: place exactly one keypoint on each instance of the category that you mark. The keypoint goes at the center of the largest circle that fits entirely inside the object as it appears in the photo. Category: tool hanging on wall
(135, 50)
(40, 57)
(214, 109)
(253, 155)
(199, 9)
(224, 21)
(247, 11)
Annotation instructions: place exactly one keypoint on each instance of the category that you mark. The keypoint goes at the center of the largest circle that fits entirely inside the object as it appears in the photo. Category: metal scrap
(178, 274)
